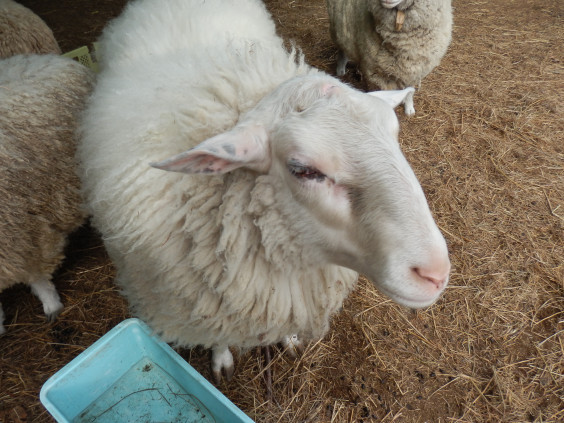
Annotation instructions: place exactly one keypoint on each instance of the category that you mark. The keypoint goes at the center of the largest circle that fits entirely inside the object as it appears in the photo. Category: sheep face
(340, 180)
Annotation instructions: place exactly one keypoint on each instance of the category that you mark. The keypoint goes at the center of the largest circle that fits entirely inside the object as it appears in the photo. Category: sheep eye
(301, 171)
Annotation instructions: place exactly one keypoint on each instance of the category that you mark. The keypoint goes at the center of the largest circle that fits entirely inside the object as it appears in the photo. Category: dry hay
(487, 145)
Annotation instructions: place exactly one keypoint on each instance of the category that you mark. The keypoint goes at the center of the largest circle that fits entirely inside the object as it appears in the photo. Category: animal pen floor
(487, 143)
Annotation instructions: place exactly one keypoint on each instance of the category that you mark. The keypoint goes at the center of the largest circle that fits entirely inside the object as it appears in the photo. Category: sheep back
(202, 259)
(40, 97)
(23, 32)
(389, 58)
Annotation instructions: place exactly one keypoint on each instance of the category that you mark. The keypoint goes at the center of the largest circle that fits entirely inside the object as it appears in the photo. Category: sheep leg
(2, 329)
(341, 63)
(47, 293)
(292, 345)
(408, 107)
(222, 360)
(268, 372)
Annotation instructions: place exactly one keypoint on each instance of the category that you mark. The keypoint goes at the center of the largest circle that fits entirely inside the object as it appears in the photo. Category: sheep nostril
(437, 277)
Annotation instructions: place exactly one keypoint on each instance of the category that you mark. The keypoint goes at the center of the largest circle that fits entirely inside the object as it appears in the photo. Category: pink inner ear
(223, 153)
(327, 88)
(208, 163)
(197, 162)
(211, 164)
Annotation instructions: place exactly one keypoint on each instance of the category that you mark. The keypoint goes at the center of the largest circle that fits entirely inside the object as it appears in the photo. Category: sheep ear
(396, 97)
(242, 146)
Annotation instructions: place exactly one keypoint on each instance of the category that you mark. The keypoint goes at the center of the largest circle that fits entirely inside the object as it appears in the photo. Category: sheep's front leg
(47, 293)
(222, 360)
(408, 107)
(292, 345)
(2, 329)
(342, 61)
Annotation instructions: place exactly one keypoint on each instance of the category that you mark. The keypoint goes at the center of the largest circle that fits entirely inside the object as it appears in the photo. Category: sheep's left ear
(240, 147)
(396, 97)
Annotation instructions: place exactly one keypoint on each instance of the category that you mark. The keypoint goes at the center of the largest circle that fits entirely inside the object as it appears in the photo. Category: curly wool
(40, 98)
(205, 260)
(389, 58)
(23, 32)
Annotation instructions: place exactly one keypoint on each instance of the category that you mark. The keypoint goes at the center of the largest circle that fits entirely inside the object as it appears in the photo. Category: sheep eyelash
(302, 171)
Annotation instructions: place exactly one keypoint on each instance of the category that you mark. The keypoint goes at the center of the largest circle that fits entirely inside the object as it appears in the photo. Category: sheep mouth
(415, 302)
(389, 4)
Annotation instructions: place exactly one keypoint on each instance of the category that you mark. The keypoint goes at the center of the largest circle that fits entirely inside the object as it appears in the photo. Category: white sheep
(40, 98)
(23, 32)
(395, 43)
(296, 183)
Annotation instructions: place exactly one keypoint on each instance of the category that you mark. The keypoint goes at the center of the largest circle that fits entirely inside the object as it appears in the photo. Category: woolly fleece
(205, 260)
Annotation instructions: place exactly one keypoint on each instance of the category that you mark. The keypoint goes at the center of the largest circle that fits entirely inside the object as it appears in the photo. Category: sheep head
(341, 181)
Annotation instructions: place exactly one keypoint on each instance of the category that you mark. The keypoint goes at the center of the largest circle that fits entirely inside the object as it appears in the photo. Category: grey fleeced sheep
(40, 96)
(395, 43)
(23, 32)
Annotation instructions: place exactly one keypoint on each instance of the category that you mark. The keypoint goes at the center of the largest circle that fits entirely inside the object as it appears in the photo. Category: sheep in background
(23, 32)
(395, 43)
(40, 97)
(296, 181)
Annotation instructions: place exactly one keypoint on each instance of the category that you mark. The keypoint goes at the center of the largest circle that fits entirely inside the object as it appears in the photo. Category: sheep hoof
(52, 315)
(222, 362)
(47, 294)
(52, 308)
(292, 345)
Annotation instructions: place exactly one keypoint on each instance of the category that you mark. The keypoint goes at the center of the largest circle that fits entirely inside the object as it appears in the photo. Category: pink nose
(436, 272)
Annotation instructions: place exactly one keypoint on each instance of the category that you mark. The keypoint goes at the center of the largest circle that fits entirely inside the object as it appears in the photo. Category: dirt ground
(487, 143)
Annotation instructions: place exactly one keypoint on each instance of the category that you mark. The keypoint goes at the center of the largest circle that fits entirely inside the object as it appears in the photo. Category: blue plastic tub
(130, 375)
